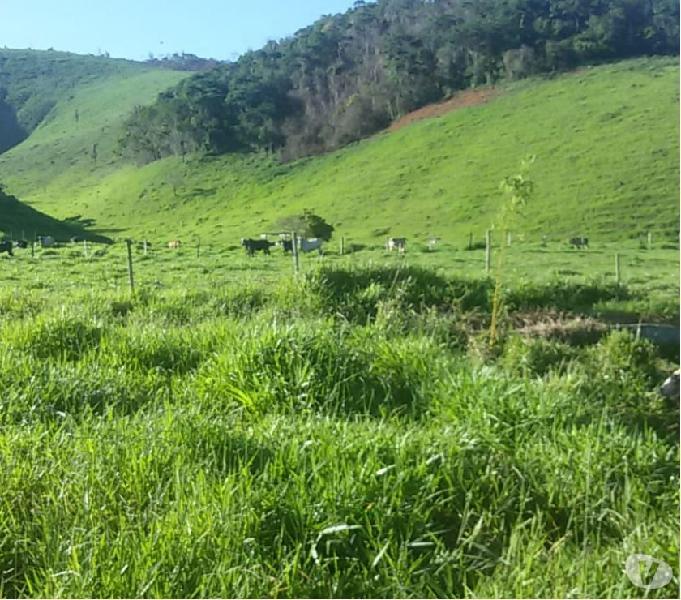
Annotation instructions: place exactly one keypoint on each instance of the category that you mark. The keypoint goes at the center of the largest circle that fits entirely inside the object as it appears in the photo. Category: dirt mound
(460, 100)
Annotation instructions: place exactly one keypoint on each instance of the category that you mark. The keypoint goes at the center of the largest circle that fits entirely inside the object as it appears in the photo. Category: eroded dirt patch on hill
(460, 100)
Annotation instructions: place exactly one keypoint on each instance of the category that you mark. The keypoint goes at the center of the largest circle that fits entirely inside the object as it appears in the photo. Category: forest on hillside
(348, 76)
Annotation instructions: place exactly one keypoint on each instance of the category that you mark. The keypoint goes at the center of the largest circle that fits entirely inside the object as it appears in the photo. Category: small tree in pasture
(308, 225)
(517, 191)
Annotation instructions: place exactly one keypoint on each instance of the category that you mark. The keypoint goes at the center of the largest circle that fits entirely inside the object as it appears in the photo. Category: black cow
(252, 246)
(6, 246)
(287, 245)
(23, 244)
(579, 242)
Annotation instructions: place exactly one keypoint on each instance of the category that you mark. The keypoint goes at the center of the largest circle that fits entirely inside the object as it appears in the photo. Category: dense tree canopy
(347, 76)
(308, 225)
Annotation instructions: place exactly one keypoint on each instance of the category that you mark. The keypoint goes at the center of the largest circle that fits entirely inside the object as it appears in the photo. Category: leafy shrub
(620, 353)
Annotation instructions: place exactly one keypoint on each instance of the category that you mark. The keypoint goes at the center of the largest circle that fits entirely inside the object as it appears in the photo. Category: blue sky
(220, 29)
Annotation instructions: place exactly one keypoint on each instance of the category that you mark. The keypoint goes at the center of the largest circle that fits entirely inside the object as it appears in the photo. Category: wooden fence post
(198, 247)
(650, 240)
(488, 251)
(618, 271)
(145, 246)
(131, 277)
(470, 241)
(296, 262)
(342, 246)
(85, 248)
(33, 249)
(509, 238)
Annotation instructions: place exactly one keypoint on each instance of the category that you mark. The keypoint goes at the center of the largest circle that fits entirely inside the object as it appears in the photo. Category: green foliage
(537, 357)
(519, 188)
(562, 294)
(621, 353)
(307, 225)
(347, 76)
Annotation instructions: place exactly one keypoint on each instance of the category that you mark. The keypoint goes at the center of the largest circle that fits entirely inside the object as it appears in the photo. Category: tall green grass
(333, 436)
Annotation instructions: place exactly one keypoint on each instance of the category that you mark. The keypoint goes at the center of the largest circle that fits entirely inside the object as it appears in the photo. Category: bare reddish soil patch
(460, 100)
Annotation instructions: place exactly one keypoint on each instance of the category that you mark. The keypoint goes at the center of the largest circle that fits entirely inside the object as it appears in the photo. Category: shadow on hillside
(22, 221)
(12, 131)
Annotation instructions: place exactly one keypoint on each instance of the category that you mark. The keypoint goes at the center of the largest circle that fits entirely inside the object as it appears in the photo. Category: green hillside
(33, 82)
(606, 141)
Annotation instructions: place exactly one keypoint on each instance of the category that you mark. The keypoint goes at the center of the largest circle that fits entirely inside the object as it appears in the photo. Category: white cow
(399, 244)
(310, 245)
(670, 388)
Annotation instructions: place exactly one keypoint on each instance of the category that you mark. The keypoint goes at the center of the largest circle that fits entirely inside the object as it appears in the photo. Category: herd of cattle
(303, 245)
(251, 246)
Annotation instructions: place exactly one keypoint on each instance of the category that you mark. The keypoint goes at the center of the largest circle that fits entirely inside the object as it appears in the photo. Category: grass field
(606, 141)
(234, 432)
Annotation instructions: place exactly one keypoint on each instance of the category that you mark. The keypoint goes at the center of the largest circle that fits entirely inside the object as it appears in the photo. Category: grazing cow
(399, 244)
(579, 242)
(432, 243)
(174, 244)
(75, 240)
(287, 245)
(23, 244)
(670, 388)
(310, 245)
(46, 241)
(252, 246)
(6, 246)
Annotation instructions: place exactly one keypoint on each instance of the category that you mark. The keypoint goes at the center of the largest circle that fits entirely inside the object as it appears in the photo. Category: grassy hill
(606, 141)
(33, 83)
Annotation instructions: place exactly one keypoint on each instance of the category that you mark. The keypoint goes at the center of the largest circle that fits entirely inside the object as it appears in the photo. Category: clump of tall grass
(317, 366)
(173, 350)
(563, 295)
(537, 357)
(356, 292)
(62, 337)
(36, 389)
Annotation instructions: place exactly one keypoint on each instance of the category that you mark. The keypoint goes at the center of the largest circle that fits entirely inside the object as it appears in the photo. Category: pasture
(235, 431)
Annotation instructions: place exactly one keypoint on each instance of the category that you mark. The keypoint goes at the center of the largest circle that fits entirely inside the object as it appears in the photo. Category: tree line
(350, 75)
